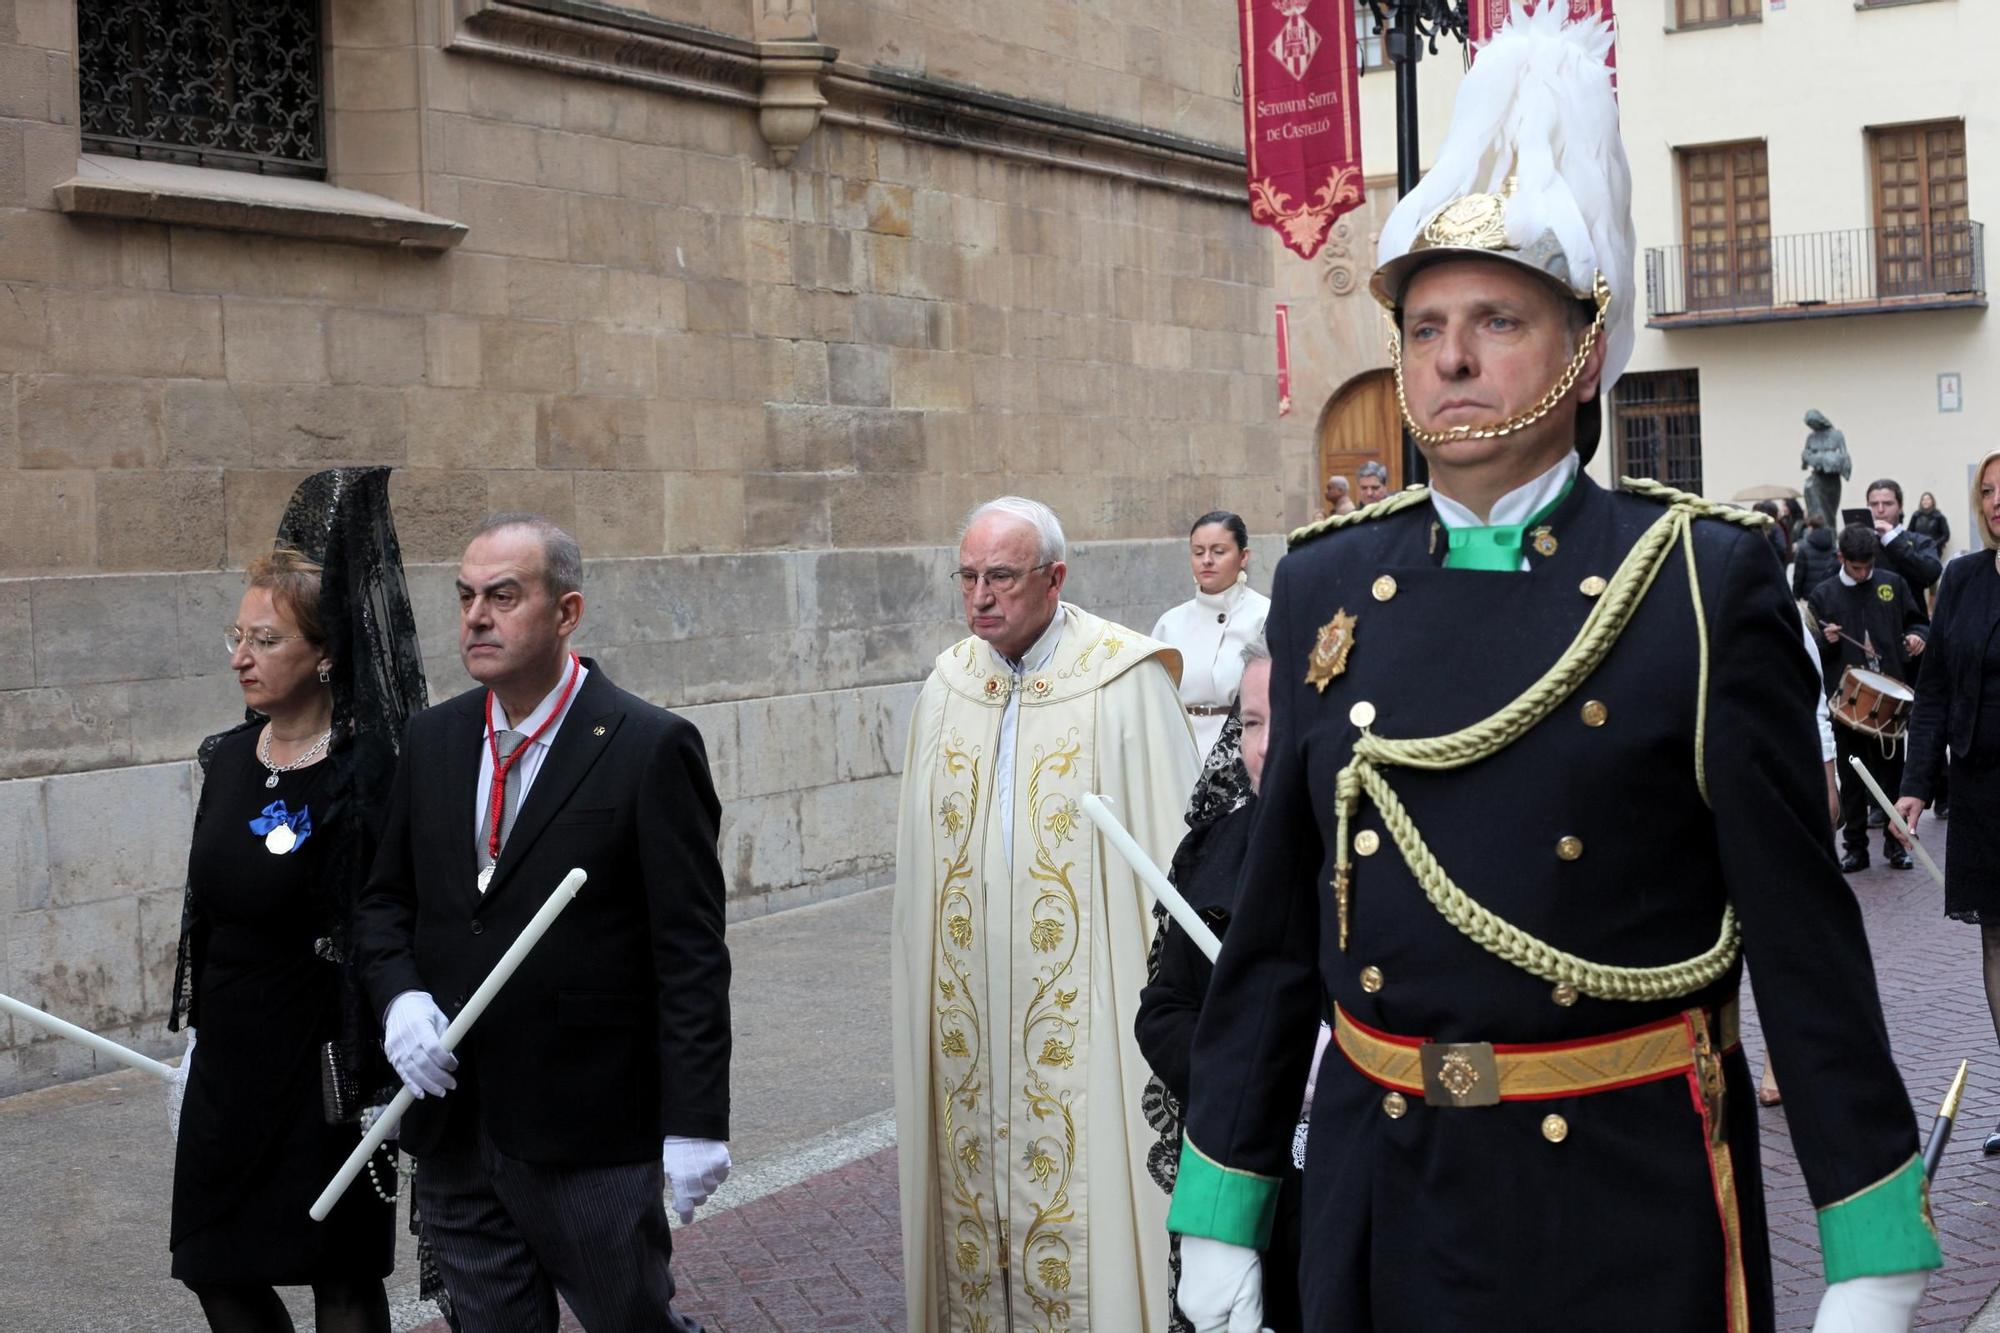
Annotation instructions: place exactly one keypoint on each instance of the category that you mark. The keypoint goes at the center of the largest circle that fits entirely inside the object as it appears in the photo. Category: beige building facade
(1811, 186)
(756, 296)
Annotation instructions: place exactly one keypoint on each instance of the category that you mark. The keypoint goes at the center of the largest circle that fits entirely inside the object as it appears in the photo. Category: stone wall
(1011, 256)
(799, 668)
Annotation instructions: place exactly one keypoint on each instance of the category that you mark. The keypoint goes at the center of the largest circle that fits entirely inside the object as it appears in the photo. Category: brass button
(1564, 995)
(1569, 849)
(1371, 979)
(1367, 842)
(1594, 713)
(1393, 1106)
(1385, 588)
(1554, 1128)
(1362, 714)
(1592, 586)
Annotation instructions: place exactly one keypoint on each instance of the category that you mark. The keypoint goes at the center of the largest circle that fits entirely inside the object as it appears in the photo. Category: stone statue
(1827, 465)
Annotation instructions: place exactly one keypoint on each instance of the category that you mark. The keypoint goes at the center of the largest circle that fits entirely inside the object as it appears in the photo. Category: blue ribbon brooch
(281, 830)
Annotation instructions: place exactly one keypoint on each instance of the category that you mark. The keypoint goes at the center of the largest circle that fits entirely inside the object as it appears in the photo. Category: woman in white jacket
(1211, 631)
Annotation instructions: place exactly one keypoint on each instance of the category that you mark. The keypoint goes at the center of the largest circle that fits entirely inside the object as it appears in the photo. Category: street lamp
(1410, 26)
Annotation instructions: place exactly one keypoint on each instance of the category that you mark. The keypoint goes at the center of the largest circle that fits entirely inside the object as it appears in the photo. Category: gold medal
(280, 840)
(1329, 654)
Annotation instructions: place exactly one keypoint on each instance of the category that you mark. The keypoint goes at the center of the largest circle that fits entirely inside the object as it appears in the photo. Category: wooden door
(1922, 214)
(1360, 423)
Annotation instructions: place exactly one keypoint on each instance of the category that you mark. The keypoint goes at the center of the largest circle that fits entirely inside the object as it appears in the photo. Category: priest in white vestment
(1019, 949)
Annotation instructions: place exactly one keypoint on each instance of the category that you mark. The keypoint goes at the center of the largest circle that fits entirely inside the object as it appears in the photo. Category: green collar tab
(1496, 548)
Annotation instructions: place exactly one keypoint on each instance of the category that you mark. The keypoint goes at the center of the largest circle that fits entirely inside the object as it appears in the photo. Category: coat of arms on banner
(1297, 40)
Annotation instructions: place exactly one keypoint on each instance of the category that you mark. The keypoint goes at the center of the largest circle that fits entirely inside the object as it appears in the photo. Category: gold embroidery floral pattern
(960, 1034)
(1049, 1034)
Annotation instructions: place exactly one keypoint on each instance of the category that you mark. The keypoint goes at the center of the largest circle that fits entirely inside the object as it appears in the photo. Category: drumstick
(1896, 820)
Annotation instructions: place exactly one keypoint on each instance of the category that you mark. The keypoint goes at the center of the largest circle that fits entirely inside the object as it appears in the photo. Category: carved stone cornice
(795, 84)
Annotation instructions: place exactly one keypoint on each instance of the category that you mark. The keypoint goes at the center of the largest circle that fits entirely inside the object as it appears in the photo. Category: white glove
(410, 1040)
(177, 1086)
(695, 1168)
(1222, 1286)
(1885, 1304)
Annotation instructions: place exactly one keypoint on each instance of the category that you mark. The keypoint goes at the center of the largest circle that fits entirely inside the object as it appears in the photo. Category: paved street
(804, 1236)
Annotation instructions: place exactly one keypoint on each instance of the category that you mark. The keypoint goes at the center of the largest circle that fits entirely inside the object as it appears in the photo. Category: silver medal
(271, 781)
(485, 878)
(280, 840)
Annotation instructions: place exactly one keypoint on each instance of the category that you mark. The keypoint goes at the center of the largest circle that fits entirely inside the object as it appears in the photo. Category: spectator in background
(1781, 540)
(1929, 521)
(1814, 560)
(1372, 482)
(1958, 706)
(1908, 554)
(1337, 499)
(1212, 629)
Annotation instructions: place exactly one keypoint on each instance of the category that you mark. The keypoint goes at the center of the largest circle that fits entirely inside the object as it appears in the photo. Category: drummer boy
(1869, 621)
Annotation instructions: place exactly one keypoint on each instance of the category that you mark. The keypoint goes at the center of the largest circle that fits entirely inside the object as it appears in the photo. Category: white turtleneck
(1211, 632)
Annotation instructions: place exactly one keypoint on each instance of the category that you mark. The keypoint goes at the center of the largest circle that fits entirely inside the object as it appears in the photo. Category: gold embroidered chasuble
(1026, 1202)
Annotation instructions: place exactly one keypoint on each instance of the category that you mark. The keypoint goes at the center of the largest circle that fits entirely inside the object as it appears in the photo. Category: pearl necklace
(312, 753)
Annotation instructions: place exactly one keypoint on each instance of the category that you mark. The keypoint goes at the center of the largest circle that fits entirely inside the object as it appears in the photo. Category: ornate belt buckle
(1459, 1073)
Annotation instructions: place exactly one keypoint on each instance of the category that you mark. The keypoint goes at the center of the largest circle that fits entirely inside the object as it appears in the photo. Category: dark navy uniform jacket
(1472, 1218)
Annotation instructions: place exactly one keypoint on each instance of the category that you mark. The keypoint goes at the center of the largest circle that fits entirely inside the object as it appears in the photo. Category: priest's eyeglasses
(259, 642)
(1000, 579)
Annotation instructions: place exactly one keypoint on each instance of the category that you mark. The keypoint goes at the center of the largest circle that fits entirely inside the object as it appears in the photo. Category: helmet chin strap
(1600, 290)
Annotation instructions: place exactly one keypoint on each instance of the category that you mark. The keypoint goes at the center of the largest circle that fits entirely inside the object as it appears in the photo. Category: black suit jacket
(1401, 1209)
(1951, 688)
(1915, 557)
(615, 1030)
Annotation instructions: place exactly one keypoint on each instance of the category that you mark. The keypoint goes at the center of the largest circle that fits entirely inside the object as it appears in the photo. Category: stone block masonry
(798, 667)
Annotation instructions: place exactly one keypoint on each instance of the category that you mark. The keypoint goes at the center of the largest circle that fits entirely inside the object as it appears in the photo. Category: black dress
(1958, 711)
(255, 1149)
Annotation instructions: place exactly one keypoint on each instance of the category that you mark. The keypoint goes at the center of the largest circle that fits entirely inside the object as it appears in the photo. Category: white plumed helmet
(1532, 170)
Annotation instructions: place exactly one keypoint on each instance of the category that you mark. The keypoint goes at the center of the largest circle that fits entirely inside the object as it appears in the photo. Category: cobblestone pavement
(824, 1254)
(1928, 971)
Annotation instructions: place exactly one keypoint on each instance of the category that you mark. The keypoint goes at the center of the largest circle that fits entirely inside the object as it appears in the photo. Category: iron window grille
(217, 83)
(1656, 419)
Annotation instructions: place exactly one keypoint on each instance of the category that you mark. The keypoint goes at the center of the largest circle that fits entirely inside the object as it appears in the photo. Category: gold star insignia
(1329, 654)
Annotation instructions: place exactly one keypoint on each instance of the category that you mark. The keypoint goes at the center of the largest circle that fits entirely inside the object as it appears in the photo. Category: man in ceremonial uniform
(1870, 619)
(1019, 950)
(1542, 758)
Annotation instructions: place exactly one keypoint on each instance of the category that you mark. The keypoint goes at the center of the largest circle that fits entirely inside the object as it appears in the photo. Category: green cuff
(1885, 1228)
(1221, 1203)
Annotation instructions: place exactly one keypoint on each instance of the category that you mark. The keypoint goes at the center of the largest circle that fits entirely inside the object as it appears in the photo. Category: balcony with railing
(1866, 271)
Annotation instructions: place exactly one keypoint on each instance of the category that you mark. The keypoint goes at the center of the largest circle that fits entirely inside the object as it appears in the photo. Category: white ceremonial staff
(1150, 874)
(453, 1035)
(1896, 820)
(104, 1046)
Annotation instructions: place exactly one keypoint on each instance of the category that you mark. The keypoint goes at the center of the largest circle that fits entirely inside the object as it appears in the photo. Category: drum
(1872, 702)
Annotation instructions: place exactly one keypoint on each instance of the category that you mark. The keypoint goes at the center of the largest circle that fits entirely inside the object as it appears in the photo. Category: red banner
(1284, 360)
(1301, 118)
(1487, 17)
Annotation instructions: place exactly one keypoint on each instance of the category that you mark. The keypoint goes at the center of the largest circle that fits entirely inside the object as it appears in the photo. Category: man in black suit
(541, 1143)
(1912, 556)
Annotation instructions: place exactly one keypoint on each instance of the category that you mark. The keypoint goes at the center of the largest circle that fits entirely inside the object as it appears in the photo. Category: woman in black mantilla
(324, 648)
(1206, 869)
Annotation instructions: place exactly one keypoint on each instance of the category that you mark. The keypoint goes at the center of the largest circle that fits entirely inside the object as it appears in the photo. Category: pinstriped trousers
(510, 1235)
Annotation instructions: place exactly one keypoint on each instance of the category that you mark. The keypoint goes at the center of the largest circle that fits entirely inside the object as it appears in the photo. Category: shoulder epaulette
(1648, 489)
(1387, 505)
